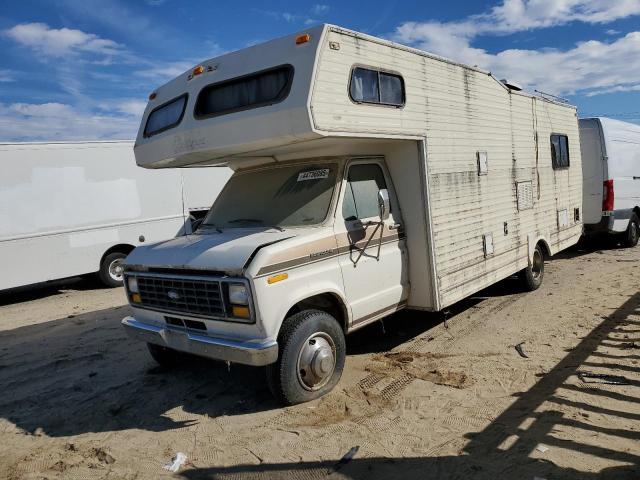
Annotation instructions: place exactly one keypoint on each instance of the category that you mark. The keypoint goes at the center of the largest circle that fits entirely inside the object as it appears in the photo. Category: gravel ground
(423, 395)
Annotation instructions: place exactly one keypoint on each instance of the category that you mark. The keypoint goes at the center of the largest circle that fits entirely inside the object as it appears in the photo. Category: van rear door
(593, 169)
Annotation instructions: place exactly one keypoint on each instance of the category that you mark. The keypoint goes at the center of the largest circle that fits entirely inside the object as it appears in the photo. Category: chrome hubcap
(115, 270)
(316, 361)
(537, 265)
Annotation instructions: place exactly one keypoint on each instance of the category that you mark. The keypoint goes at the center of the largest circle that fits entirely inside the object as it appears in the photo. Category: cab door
(372, 252)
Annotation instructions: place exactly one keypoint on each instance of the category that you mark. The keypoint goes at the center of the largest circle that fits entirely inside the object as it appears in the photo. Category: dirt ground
(423, 395)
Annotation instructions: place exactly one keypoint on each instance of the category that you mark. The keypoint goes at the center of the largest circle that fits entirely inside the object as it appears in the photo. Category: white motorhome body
(482, 179)
(64, 207)
(611, 170)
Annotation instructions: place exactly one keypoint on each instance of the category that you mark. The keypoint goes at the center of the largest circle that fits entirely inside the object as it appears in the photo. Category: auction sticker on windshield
(313, 174)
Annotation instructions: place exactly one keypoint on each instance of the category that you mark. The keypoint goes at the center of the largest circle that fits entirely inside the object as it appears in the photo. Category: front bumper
(247, 353)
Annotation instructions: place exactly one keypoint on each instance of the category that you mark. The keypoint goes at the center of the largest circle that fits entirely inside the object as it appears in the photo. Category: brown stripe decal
(318, 256)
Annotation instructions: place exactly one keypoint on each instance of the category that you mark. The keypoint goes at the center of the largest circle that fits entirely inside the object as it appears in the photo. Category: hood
(227, 251)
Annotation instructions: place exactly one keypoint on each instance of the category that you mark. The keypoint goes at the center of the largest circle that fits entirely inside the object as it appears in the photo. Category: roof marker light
(303, 38)
(153, 96)
(198, 70)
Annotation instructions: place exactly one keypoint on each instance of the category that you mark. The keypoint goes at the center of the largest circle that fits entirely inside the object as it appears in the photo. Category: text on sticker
(313, 174)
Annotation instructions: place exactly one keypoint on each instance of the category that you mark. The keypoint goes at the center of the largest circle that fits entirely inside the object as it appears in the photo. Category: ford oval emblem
(173, 295)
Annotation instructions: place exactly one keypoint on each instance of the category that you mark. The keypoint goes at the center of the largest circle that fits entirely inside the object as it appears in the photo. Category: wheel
(311, 359)
(532, 276)
(633, 232)
(164, 356)
(110, 273)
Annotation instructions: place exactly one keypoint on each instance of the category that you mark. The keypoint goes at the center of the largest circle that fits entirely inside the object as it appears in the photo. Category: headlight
(238, 294)
(132, 284)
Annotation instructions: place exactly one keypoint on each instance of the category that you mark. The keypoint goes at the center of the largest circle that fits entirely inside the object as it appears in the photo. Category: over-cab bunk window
(375, 86)
(166, 116)
(242, 93)
(559, 151)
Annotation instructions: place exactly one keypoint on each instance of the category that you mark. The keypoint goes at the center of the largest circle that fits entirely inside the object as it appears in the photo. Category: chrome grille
(183, 295)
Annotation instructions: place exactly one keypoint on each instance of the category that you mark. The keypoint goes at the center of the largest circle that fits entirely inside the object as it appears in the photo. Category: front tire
(111, 274)
(633, 232)
(532, 276)
(311, 360)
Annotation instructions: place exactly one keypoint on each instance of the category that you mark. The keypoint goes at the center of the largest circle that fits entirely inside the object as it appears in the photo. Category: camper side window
(559, 151)
(364, 181)
(374, 86)
(255, 90)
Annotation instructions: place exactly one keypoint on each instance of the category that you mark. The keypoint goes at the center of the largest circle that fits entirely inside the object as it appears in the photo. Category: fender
(533, 239)
(324, 288)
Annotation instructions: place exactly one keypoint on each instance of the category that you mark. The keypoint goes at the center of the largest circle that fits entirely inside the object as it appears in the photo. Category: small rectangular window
(364, 181)
(559, 151)
(242, 93)
(374, 86)
(165, 116)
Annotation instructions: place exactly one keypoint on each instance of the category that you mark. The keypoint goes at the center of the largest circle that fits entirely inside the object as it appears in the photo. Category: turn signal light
(303, 38)
(277, 278)
(240, 312)
(135, 298)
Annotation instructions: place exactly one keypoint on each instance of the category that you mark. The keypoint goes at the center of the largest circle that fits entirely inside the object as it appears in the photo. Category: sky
(83, 69)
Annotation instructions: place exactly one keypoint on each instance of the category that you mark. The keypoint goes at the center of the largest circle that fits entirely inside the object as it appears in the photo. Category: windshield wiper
(255, 220)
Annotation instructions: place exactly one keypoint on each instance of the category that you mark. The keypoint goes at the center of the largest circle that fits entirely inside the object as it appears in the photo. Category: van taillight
(607, 196)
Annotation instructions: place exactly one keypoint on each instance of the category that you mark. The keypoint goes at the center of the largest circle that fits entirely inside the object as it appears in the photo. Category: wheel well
(327, 302)
(122, 248)
(545, 248)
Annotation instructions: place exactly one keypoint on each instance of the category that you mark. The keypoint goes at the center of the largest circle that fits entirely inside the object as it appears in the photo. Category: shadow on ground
(48, 289)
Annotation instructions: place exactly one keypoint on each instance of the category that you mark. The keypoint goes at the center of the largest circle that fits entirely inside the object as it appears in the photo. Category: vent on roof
(511, 85)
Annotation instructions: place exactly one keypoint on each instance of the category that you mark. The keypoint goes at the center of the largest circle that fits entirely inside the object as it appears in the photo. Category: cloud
(578, 69)
(132, 107)
(60, 42)
(306, 19)
(47, 121)
(6, 76)
(319, 9)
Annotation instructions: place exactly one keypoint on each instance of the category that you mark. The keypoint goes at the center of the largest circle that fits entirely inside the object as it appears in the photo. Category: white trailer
(611, 170)
(369, 177)
(69, 209)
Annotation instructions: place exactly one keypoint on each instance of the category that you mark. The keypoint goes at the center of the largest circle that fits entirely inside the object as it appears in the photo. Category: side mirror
(384, 206)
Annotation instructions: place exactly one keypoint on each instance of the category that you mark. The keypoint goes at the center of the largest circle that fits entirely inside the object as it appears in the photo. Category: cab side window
(361, 193)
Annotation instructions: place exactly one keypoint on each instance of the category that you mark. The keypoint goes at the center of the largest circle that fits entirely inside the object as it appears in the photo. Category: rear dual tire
(311, 358)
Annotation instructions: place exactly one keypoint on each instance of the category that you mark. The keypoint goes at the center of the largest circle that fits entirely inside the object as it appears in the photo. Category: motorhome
(369, 177)
(74, 208)
(611, 170)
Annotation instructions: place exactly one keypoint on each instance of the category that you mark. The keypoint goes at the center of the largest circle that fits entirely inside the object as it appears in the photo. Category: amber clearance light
(303, 38)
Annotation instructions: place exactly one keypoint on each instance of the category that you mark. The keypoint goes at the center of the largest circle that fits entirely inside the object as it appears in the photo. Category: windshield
(290, 196)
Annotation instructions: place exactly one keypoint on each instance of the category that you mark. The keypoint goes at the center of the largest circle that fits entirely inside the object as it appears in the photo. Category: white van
(368, 177)
(611, 170)
(68, 209)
